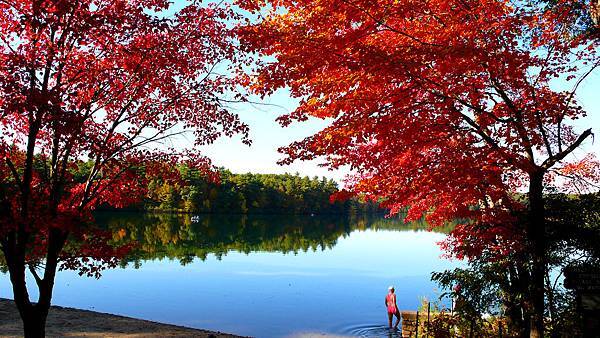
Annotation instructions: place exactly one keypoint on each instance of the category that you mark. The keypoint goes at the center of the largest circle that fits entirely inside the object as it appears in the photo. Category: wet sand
(68, 322)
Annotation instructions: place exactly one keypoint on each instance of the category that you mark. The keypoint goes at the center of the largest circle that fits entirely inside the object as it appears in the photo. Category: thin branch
(14, 172)
(38, 280)
(578, 83)
(577, 178)
(550, 161)
(382, 23)
(543, 132)
(519, 116)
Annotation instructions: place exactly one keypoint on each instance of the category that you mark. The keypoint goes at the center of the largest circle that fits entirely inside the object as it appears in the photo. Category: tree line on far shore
(250, 193)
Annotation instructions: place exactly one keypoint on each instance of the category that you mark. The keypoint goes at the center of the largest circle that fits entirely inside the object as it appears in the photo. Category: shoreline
(70, 322)
(204, 213)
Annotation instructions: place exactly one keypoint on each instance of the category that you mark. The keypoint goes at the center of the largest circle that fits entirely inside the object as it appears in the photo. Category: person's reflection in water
(392, 307)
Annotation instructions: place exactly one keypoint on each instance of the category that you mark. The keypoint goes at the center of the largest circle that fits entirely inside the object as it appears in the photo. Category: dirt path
(68, 322)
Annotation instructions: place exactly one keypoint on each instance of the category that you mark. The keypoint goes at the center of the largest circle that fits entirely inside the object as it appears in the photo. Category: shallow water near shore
(262, 276)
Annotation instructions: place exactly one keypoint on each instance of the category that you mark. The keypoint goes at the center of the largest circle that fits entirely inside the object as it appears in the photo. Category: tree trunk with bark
(33, 315)
(34, 322)
(536, 237)
(517, 314)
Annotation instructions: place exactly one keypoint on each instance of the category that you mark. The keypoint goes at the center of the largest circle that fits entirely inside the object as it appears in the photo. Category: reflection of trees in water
(159, 236)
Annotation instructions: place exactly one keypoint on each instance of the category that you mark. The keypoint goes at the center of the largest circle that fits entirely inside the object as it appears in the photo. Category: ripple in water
(373, 331)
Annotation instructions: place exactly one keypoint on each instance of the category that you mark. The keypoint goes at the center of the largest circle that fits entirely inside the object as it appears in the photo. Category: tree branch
(382, 23)
(549, 162)
(14, 172)
(38, 280)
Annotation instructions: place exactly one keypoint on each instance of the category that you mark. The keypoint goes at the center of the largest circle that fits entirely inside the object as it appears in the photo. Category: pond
(261, 276)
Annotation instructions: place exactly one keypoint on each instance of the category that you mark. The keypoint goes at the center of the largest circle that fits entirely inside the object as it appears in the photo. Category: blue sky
(267, 135)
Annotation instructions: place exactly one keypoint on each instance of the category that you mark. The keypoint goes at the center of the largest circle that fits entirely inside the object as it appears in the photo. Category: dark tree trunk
(514, 308)
(519, 313)
(34, 323)
(524, 282)
(536, 237)
(33, 315)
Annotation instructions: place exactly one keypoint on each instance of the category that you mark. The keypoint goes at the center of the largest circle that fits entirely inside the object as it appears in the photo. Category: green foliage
(499, 287)
(442, 325)
(251, 194)
(479, 287)
(433, 305)
(185, 237)
(447, 325)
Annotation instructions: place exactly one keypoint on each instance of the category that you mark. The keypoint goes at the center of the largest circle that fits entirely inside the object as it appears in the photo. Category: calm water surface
(262, 276)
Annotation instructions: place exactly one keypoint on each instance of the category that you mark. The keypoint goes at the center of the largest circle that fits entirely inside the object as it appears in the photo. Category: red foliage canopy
(91, 93)
(444, 108)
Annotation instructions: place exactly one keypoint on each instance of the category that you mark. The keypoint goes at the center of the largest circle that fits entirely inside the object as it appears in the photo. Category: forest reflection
(186, 237)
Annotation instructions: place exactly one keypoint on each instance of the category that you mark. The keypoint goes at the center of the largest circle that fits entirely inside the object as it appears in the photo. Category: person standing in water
(392, 308)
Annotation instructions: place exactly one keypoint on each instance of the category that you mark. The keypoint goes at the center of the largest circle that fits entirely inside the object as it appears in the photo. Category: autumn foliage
(426, 95)
(447, 109)
(444, 108)
(104, 87)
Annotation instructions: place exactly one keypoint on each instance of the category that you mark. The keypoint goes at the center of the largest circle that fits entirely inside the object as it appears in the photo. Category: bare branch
(31, 267)
(519, 116)
(549, 162)
(579, 82)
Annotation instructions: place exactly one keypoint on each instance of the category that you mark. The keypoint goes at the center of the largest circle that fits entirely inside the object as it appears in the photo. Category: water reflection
(261, 276)
(185, 237)
(364, 331)
(373, 331)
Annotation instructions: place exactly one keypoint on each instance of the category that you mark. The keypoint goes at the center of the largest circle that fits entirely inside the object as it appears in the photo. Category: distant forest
(251, 194)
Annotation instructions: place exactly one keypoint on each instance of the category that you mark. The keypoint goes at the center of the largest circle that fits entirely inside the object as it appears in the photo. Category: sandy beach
(68, 322)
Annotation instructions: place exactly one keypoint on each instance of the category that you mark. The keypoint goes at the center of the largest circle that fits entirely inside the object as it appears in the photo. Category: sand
(68, 322)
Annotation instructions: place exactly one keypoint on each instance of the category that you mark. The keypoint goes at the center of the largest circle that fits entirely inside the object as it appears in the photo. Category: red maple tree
(442, 108)
(90, 91)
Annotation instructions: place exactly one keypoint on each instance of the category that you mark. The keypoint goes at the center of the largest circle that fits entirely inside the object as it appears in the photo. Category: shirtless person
(392, 308)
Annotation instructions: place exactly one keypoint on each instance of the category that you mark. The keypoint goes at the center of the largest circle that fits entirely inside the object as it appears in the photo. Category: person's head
(391, 289)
